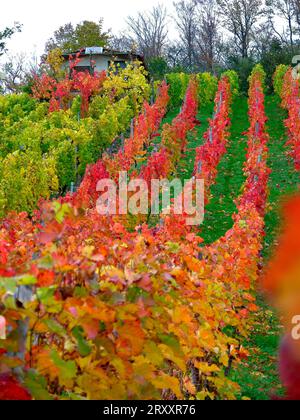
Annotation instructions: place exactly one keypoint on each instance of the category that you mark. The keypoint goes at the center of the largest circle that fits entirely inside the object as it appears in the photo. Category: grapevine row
(43, 154)
(161, 163)
(290, 95)
(208, 155)
(116, 314)
(145, 128)
(242, 244)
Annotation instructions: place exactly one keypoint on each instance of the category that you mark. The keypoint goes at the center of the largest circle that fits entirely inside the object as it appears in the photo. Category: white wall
(101, 61)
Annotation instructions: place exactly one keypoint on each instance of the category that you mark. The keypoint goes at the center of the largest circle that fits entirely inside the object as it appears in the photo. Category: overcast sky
(41, 18)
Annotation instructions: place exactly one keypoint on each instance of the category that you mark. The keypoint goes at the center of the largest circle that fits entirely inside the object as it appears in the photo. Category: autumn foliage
(145, 313)
(291, 102)
(45, 154)
(281, 281)
(208, 155)
(10, 389)
(146, 126)
(61, 92)
(242, 244)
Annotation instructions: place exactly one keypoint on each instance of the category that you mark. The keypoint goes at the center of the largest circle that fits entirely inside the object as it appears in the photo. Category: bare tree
(17, 71)
(149, 32)
(175, 55)
(13, 73)
(186, 22)
(296, 9)
(121, 42)
(284, 9)
(208, 33)
(239, 18)
(263, 37)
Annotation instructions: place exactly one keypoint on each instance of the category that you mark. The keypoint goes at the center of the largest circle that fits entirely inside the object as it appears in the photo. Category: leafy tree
(91, 33)
(243, 67)
(6, 34)
(63, 38)
(158, 67)
(86, 34)
(275, 55)
(54, 62)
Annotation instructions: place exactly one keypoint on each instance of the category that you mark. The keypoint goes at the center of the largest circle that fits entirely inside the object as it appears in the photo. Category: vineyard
(144, 306)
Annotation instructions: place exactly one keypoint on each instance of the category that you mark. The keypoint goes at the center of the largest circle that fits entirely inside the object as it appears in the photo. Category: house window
(121, 64)
(83, 69)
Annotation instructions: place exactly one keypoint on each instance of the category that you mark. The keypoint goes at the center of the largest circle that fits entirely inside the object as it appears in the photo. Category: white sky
(41, 18)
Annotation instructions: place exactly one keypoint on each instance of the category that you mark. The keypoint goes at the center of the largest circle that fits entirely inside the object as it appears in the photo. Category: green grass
(284, 179)
(185, 168)
(195, 139)
(218, 213)
(258, 376)
(171, 114)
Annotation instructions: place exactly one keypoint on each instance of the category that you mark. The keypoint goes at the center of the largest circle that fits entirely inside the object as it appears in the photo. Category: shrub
(25, 177)
(278, 78)
(72, 142)
(65, 157)
(208, 86)
(259, 71)
(233, 80)
(158, 67)
(178, 83)
(15, 107)
(132, 82)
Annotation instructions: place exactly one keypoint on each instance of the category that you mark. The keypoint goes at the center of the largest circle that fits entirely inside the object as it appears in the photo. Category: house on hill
(99, 59)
